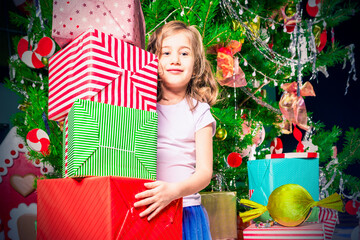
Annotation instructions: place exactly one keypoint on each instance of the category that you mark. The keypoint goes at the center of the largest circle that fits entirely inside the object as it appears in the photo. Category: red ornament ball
(38, 140)
(352, 208)
(234, 159)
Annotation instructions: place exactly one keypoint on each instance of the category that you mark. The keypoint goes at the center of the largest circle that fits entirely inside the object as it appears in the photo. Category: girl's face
(176, 62)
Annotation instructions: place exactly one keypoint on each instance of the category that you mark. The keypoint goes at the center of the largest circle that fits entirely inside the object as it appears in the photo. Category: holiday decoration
(289, 20)
(101, 208)
(122, 19)
(33, 58)
(259, 135)
(305, 155)
(309, 146)
(290, 205)
(234, 159)
(290, 9)
(304, 231)
(265, 175)
(221, 209)
(45, 61)
(292, 104)
(236, 26)
(320, 37)
(228, 71)
(276, 146)
(313, 8)
(245, 152)
(38, 140)
(328, 217)
(352, 207)
(256, 129)
(254, 27)
(298, 136)
(101, 68)
(221, 134)
(103, 139)
(22, 222)
(18, 196)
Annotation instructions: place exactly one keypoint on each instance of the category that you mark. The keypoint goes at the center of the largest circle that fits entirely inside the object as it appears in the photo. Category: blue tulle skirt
(195, 223)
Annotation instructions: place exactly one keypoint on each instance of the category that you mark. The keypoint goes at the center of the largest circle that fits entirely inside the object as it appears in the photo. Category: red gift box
(98, 67)
(100, 208)
(123, 19)
(304, 231)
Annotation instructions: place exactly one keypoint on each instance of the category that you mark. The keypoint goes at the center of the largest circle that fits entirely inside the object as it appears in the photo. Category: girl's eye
(166, 53)
(184, 53)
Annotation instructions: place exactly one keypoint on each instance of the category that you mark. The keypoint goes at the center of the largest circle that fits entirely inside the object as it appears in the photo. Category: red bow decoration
(293, 107)
(228, 72)
(289, 22)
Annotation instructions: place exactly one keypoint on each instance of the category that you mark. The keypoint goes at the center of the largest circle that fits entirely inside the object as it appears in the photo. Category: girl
(186, 88)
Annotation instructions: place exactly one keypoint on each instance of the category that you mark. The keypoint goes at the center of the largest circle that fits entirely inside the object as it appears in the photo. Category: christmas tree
(255, 47)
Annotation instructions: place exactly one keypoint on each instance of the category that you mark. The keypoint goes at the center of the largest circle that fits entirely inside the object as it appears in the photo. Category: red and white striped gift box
(329, 218)
(98, 67)
(293, 155)
(304, 231)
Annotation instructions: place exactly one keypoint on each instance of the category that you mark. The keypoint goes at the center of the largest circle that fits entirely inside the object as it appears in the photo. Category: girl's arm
(160, 194)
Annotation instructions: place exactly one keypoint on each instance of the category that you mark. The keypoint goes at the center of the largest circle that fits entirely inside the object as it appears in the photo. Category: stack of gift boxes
(104, 90)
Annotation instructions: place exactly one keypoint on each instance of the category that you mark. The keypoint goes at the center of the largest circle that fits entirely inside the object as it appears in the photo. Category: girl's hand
(157, 197)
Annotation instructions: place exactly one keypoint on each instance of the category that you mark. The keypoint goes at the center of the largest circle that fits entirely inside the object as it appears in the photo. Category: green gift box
(106, 140)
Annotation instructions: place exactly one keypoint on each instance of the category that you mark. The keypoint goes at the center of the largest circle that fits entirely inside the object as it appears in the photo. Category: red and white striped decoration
(329, 218)
(293, 155)
(251, 191)
(99, 67)
(65, 147)
(304, 231)
(276, 146)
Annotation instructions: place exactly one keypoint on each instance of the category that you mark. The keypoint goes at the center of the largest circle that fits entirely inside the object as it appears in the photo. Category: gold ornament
(221, 134)
(254, 26)
(236, 25)
(24, 106)
(317, 32)
(61, 125)
(290, 9)
(45, 61)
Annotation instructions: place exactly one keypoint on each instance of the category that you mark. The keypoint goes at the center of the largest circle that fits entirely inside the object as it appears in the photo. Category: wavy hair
(202, 85)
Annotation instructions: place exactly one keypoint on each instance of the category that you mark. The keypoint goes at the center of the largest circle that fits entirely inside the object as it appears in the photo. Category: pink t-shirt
(176, 159)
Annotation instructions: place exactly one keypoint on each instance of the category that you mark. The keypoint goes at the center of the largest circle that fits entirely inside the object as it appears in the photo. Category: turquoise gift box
(265, 175)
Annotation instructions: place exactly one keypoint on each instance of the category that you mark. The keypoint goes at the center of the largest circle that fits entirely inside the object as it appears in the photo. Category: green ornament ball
(45, 61)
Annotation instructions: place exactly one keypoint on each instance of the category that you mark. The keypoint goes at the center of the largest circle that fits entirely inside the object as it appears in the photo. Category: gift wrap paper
(304, 231)
(96, 208)
(104, 139)
(99, 67)
(265, 175)
(122, 18)
(221, 209)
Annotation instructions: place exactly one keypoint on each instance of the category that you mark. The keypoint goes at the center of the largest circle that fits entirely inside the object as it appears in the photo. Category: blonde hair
(202, 85)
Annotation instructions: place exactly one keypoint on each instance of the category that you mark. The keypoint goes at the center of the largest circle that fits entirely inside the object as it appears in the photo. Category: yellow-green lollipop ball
(290, 205)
